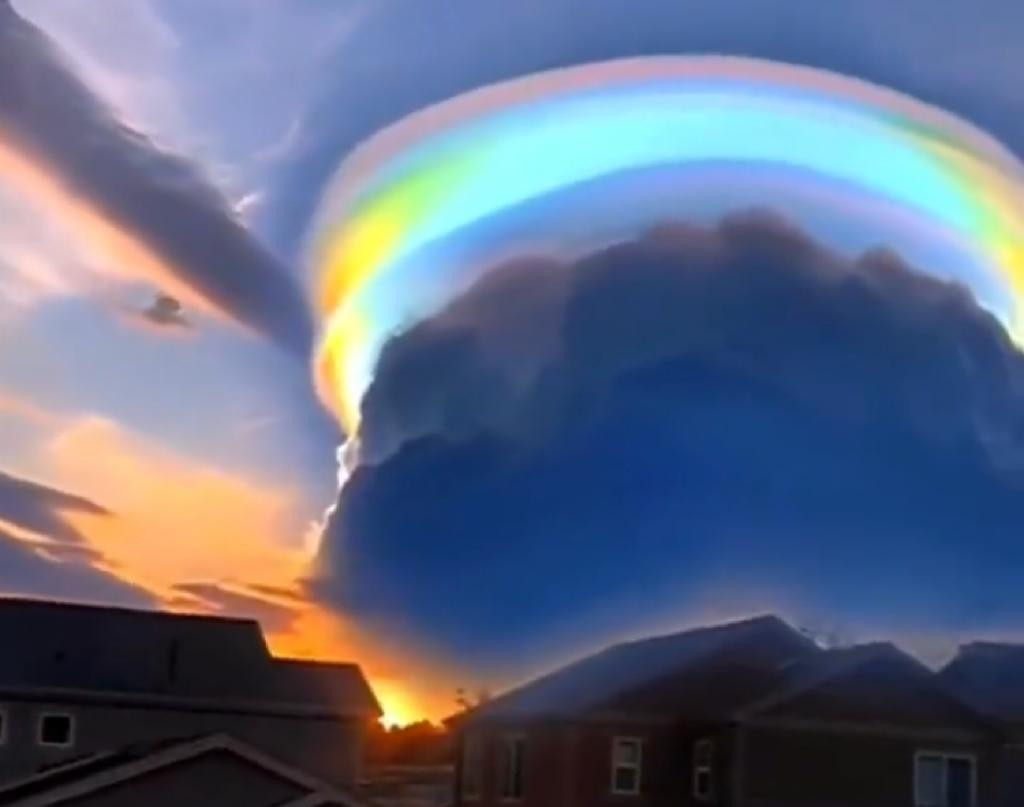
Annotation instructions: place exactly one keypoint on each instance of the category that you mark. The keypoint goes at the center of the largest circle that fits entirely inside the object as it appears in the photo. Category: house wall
(569, 765)
(212, 780)
(329, 749)
(786, 767)
(548, 768)
(1011, 775)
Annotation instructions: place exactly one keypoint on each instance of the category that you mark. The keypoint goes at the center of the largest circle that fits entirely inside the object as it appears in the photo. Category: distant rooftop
(101, 652)
(990, 675)
(605, 678)
(733, 671)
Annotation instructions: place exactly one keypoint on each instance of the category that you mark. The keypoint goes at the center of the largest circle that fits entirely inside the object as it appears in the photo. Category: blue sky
(256, 103)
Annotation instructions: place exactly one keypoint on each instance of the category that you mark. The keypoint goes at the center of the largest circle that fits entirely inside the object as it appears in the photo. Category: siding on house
(330, 748)
(788, 767)
(570, 765)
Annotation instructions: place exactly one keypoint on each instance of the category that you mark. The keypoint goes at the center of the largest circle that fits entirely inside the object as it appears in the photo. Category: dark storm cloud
(736, 409)
(47, 112)
(25, 572)
(41, 509)
(405, 56)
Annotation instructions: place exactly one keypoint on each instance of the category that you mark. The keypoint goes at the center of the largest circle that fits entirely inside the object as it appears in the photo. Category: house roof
(124, 653)
(805, 673)
(877, 678)
(990, 676)
(71, 781)
(341, 685)
(755, 669)
(607, 679)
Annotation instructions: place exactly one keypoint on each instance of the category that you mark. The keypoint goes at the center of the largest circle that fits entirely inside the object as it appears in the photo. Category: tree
(467, 701)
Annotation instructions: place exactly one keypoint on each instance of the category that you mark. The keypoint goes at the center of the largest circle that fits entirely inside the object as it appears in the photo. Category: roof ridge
(992, 644)
(602, 670)
(849, 657)
(148, 613)
(721, 627)
(313, 662)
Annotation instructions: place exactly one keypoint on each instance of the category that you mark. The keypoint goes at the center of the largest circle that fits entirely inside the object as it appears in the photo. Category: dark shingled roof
(737, 671)
(990, 676)
(74, 770)
(625, 676)
(92, 773)
(116, 651)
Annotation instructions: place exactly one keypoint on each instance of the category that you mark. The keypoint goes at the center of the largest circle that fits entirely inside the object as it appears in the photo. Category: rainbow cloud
(603, 151)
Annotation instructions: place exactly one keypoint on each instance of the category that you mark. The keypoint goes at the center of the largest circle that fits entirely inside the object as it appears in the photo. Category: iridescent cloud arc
(389, 246)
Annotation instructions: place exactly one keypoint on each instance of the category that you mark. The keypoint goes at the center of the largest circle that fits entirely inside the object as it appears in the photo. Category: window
(513, 757)
(472, 767)
(944, 780)
(704, 770)
(56, 730)
(627, 761)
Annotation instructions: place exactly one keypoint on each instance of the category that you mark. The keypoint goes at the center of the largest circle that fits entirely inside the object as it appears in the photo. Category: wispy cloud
(150, 213)
(24, 410)
(43, 509)
(26, 570)
(276, 618)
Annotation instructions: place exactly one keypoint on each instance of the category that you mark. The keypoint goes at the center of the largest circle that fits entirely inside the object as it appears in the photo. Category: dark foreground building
(750, 714)
(79, 680)
(990, 676)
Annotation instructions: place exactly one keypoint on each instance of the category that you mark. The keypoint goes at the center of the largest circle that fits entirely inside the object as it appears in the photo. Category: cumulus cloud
(61, 142)
(699, 411)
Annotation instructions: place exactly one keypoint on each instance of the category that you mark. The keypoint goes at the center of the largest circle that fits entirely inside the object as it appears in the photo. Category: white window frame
(472, 755)
(704, 767)
(945, 756)
(43, 716)
(637, 767)
(511, 741)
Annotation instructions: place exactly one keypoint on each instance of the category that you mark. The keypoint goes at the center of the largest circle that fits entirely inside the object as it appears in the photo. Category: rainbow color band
(436, 176)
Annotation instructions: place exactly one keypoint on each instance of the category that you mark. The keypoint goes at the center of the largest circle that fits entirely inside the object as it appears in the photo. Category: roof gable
(189, 771)
(869, 684)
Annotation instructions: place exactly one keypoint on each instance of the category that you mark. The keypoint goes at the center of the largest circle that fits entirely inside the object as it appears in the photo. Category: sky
(625, 403)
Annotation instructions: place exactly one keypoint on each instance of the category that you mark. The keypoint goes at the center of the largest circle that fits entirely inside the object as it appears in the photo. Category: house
(990, 676)
(77, 679)
(213, 771)
(748, 713)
